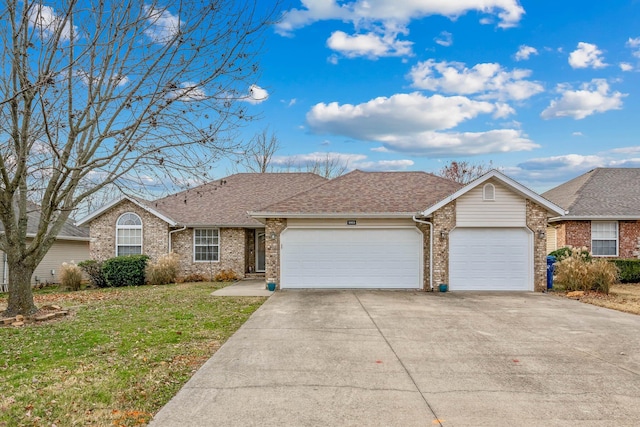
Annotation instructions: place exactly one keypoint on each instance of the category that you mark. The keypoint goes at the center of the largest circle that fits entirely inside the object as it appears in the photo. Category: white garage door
(351, 258)
(490, 259)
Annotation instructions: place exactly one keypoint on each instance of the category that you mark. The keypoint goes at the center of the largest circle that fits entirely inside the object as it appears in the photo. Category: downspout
(175, 231)
(430, 248)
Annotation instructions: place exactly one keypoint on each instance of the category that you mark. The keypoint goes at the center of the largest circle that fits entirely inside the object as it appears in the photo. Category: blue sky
(544, 90)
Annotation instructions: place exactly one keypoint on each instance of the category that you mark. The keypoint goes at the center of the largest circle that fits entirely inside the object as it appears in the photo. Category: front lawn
(118, 358)
(622, 297)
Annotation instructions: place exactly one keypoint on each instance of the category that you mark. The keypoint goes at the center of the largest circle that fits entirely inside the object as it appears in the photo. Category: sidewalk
(245, 288)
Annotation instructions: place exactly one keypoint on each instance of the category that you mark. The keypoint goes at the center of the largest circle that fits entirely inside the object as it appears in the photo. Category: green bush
(566, 251)
(579, 273)
(125, 270)
(629, 270)
(93, 269)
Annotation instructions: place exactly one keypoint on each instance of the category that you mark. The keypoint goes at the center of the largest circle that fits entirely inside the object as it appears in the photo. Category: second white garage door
(490, 259)
(351, 258)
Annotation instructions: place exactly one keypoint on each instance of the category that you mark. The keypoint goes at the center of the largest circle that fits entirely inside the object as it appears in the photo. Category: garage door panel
(490, 259)
(359, 258)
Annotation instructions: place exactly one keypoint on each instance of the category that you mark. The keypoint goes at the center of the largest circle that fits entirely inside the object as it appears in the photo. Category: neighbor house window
(129, 234)
(206, 244)
(488, 192)
(604, 238)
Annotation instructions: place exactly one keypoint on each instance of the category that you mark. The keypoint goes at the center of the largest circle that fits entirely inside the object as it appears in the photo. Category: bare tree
(464, 172)
(97, 93)
(327, 166)
(258, 156)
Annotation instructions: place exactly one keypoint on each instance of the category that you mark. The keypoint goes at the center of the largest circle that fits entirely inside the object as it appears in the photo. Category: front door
(260, 251)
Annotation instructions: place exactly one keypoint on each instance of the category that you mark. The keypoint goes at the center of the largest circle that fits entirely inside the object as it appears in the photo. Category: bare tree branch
(99, 94)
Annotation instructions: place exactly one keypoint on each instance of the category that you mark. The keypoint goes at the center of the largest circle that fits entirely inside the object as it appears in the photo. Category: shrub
(579, 273)
(164, 270)
(629, 269)
(70, 276)
(93, 269)
(566, 251)
(225, 276)
(193, 277)
(127, 270)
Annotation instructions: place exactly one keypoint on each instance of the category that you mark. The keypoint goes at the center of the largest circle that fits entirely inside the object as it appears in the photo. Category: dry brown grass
(622, 297)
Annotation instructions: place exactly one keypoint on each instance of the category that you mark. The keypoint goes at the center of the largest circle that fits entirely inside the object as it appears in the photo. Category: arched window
(489, 192)
(129, 234)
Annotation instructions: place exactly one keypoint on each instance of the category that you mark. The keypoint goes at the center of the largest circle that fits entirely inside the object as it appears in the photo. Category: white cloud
(369, 13)
(625, 66)
(350, 161)
(189, 91)
(626, 150)
(163, 25)
(488, 80)
(587, 55)
(444, 39)
(413, 123)
(400, 113)
(577, 134)
(593, 97)
(525, 52)
(370, 45)
(256, 95)
(47, 22)
(634, 45)
(503, 110)
(333, 59)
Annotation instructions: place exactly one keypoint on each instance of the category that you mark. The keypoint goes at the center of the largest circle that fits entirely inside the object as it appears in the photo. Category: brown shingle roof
(601, 192)
(225, 202)
(369, 193)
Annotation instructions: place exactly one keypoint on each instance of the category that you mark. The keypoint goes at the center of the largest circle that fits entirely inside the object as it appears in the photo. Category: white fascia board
(119, 200)
(263, 215)
(596, 218)
(514, 185)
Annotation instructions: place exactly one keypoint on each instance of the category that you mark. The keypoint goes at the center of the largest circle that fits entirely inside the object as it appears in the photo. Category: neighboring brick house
(409, 230)
(603, 213)
(207, 226)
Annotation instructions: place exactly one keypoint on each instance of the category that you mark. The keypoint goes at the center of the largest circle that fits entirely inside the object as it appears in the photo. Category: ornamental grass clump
(164, 270)
(576, 272)
(70, 276)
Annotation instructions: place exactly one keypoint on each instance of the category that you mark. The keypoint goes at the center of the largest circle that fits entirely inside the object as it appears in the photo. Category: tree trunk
(20, 295)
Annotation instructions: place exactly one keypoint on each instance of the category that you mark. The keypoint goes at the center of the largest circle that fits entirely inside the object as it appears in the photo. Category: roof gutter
(331, 215)
(175, 231)
(430, 248)
(596, 218)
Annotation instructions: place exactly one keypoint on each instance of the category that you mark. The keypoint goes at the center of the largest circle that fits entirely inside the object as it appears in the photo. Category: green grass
(120, 356)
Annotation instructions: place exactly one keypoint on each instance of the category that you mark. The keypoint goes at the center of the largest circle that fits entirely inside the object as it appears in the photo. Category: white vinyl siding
(345, 258)
(206, 244)
(61, 251)
(604, 238)
(507, 209)
(552, 239)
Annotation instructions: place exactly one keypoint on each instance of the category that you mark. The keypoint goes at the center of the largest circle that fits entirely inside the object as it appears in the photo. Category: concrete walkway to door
(376, 358)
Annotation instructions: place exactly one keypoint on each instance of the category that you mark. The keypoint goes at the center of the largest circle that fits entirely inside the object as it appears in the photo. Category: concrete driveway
(380, 358)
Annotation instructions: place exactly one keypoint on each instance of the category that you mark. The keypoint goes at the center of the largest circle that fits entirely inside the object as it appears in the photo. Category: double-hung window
(128, 234)
(604, 238)
(206, 244)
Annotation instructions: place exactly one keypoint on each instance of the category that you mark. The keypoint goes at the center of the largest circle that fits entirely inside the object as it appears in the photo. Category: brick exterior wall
(444, 220)
(629, 239)
(232, 253)
(272, 246)
(424, 228)
(155, 237)
(578, 234)
(536, 221)
(155, 242)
